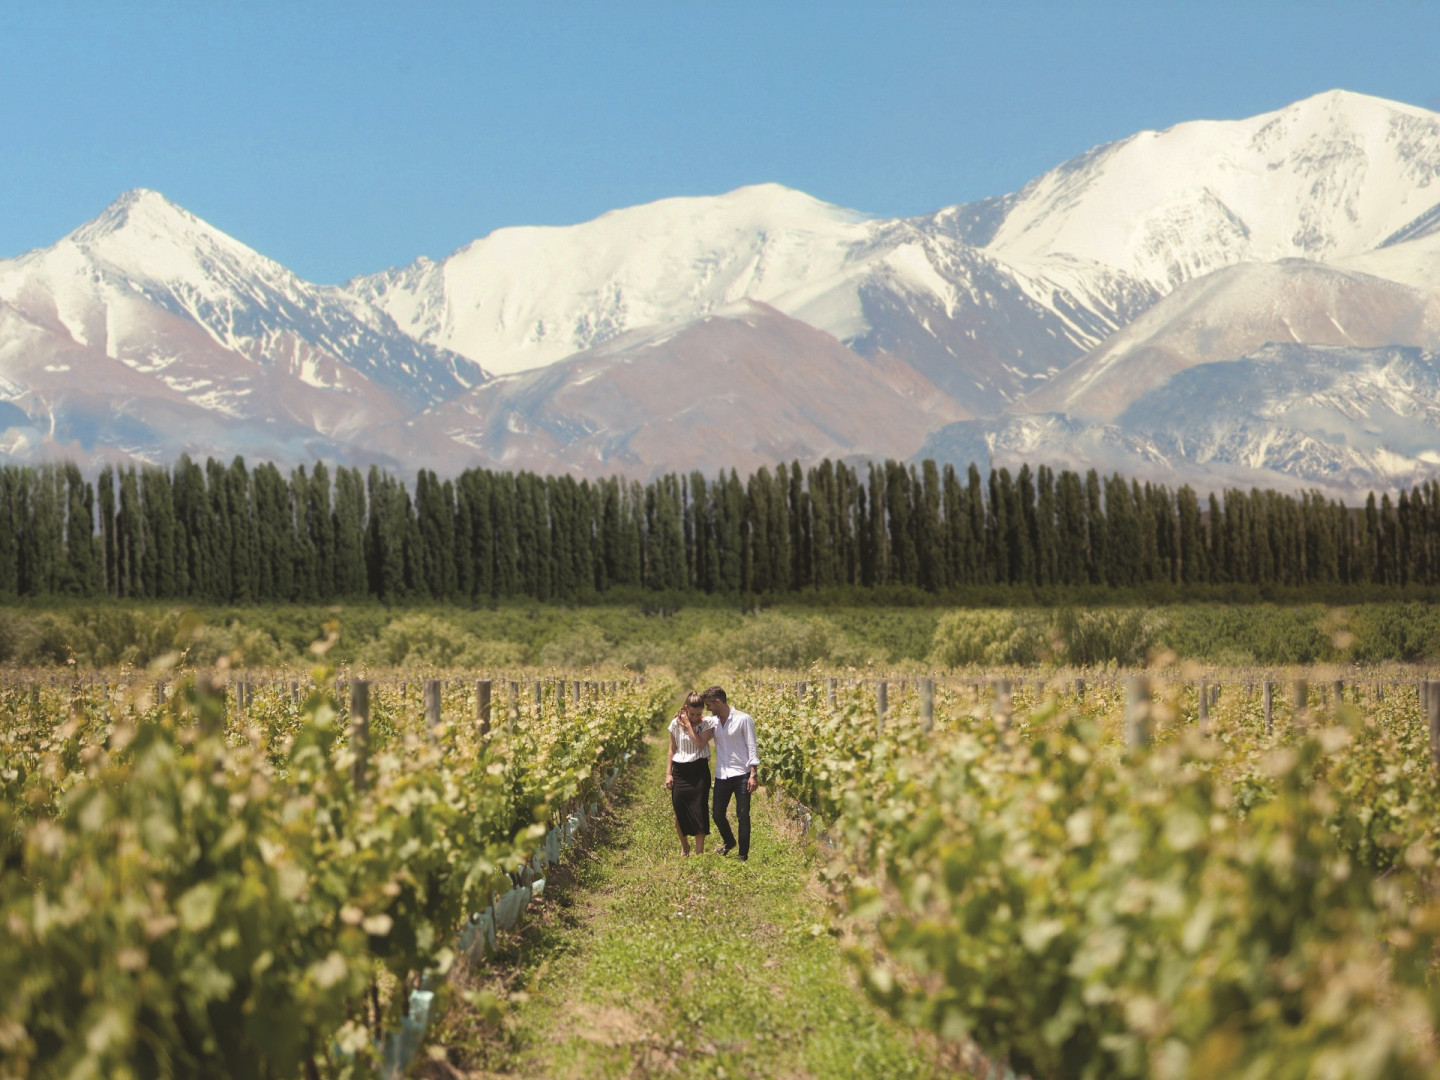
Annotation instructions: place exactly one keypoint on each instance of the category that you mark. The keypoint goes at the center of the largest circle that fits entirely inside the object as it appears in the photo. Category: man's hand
(669, 782)
(751, 785)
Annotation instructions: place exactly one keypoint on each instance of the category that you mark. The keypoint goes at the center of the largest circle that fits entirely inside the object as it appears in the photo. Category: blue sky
(344, 138)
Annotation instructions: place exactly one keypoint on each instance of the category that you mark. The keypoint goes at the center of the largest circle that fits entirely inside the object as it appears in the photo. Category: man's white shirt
(735, 745)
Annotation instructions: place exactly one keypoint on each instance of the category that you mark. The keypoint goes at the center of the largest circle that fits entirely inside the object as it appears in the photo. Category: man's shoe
(743, 858)
(725, 849)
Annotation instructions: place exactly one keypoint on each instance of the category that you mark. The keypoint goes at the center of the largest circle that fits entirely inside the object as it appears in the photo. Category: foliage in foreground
(1244, 905)
(182, 900)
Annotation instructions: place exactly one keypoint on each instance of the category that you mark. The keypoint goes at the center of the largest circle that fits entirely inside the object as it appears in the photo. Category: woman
(687, 772)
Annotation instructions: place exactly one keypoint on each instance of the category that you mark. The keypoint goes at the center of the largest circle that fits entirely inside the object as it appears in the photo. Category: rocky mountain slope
(1333, 418)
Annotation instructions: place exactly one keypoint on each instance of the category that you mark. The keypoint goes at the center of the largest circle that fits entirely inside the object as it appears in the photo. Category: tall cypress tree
(782, 554)
(9, 534)
(244, 541)
(129, 533)
(1097, 529)
(1024, 528)
(348, 528)
(1046, 538)
(322, 524)
(957, 529)
(929, 538)
(193, 527)
(1191, 542)
(880, 555)
(900, 512)
(980, 570)
(730, 531)
(106, 485)
(1072, 542)
(81, 574)
(997, 526)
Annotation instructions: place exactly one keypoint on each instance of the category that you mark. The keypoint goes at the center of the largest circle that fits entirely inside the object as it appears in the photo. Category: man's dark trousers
(720, 806)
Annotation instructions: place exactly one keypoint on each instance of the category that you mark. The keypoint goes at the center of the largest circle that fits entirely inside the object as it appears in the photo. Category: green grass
(643, 962)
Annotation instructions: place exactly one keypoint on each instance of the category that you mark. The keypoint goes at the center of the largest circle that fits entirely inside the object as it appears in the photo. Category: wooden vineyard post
(1079, 689)
(1003, 706)
(882, 694)
(1203, 717)
(482, 705)
(514, 717)
(539, 689)
(1268, 698)
(1432, 720)
(927, 705)
(830, 693)
(212, 703)
(1299, 702)
(1137, 712)
(359, 731)
(432, 706)
(1339, 688)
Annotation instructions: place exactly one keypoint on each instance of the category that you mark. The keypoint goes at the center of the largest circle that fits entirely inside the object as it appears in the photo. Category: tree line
(232, 534)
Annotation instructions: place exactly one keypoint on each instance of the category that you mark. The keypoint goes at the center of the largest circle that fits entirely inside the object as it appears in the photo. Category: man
(737, 769)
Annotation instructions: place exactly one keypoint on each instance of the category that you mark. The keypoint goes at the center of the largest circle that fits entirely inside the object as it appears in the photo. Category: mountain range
(1224, 302)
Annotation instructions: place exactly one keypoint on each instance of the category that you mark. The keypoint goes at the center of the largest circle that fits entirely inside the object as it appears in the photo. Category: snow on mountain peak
(145, 237)
(527, 296)
(130, 280)
(137, 208)
(1323, 178)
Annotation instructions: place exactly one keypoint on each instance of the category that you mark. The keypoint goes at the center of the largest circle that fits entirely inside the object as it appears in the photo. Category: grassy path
(644, 963)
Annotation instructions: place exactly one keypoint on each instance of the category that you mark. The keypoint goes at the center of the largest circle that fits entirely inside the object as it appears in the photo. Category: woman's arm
(701, 738)
(670, 764)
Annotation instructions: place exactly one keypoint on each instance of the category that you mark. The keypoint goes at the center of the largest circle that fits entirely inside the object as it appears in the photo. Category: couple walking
(687, 770)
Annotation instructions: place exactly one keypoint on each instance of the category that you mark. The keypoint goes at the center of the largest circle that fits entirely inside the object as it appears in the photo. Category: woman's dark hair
(693, 698)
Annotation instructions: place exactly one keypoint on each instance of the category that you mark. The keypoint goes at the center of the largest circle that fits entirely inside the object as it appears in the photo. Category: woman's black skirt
(690, 796)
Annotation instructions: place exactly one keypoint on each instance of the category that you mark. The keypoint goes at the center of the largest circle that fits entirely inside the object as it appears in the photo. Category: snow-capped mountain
(1043, 322)
(1231, 313)
(1325, 178)
(519, 299)
(106, 282)
(987, 299)
(165, 311)
(1338, 419)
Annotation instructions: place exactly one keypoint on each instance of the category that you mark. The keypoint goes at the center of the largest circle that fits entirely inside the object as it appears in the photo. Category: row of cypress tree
(231, 534)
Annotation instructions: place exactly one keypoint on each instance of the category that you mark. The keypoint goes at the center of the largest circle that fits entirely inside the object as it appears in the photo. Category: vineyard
(1222, 879)
(265, 879)
(1086, 875)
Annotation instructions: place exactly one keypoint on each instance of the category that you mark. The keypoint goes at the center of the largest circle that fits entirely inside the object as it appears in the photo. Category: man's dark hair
(715, 694)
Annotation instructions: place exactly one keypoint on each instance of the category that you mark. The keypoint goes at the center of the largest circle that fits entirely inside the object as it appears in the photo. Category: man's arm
(670, 764)
(753, 758)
